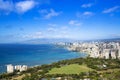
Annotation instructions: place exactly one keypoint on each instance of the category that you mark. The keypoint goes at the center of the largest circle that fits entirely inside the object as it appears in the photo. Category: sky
(22, 20)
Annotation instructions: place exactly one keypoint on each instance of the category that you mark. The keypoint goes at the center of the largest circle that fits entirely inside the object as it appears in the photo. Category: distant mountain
(54, 40)
(110, 39)
(104, 40)
(47, 40)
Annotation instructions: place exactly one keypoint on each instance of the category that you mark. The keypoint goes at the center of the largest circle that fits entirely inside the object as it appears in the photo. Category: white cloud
(57, 32)
(34, 35)
(38, 33)
(24, 6)
(74, 22)
(51, 29)
(86, 5)
(48, 14)
(52, 13)
(112, 9)
(6, 5)
(53, 25)
(87, 13)
(21, 6)
(53, 32)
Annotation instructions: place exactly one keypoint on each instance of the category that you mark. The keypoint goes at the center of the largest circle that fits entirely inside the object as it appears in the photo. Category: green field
(70, 69)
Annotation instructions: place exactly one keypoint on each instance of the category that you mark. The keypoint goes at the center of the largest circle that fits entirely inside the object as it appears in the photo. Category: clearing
(70, 69)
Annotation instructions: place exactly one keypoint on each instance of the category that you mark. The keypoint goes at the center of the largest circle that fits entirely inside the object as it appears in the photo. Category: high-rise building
(23, 68)
(18, 67)
(10, 68)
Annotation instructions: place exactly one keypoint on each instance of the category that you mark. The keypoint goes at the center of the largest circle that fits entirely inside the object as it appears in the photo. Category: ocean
(31, 55)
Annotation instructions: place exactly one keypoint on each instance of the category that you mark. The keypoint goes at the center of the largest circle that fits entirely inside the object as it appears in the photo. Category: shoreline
(31, 66)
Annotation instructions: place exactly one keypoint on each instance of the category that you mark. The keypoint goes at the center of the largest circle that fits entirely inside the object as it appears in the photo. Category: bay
(31, 55)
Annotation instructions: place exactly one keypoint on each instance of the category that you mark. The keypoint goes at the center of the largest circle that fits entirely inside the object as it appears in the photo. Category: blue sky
(76, 19)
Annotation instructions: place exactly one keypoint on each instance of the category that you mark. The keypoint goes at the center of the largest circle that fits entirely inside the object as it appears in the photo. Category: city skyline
(22, 20)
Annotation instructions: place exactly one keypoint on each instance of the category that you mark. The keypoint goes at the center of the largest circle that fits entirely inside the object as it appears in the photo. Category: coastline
(59, 54)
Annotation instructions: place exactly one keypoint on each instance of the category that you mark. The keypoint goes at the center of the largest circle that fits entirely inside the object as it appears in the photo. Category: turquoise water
(32, 55)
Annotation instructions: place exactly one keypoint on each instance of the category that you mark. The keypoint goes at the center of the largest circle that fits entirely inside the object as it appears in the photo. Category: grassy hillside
(73, 69)
(70, 69)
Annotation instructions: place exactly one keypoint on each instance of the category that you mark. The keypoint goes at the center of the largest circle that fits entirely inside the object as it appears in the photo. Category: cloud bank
(47, 14)
(19, 7)
(112, 9)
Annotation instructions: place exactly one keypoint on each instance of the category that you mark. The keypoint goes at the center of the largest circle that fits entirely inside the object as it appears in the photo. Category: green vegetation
(70, 69)
(73, 69)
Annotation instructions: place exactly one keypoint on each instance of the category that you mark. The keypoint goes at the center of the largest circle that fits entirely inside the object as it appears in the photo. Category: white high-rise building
(113, 54)
(23, 68)
(106, 53)
(10, 68)
(18, 67)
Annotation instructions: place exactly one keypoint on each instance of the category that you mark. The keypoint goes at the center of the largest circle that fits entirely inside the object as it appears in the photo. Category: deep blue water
(32, 55)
